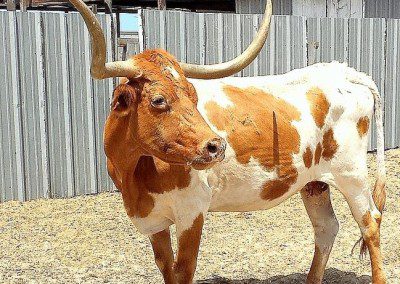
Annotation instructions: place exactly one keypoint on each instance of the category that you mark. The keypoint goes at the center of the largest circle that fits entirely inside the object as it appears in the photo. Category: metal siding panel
(12, 166)
(58, 103)
(280, 7)
(395, 9)
(328, 40)
(31, 83)
(47, 130)
(269, 49)
(211, 38)
(220, 37)
(42, 100)
(309, 8)
(171, 33)
(102, 92)
(392, 86)
(254, 66)
(345, 8)
(182, 37)
(314, 40)
(81, 98)
(239, 42)
(230, 33)
(382, 9)
(298, 44)
(282, 44)
(246, 22)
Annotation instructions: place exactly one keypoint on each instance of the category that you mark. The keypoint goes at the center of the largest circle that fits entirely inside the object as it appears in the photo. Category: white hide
(231, 186)
(173, 72)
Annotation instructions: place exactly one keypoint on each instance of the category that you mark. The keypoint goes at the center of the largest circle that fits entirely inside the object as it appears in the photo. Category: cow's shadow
(332, 276)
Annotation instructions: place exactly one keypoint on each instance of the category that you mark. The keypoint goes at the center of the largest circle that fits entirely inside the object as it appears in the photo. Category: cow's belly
(238, 187)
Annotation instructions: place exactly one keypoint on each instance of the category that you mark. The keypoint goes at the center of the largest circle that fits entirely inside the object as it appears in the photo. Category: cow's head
(160, 106)
(155, 108)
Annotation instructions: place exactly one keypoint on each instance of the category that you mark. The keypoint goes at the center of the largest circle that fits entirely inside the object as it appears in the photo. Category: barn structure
(309, 8)
(326, 8)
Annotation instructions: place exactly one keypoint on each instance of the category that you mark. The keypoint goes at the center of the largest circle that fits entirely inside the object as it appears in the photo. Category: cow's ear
(123, 97)
(192, 93)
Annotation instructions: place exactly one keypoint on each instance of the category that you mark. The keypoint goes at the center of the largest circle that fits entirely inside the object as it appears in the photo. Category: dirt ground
(91, 240)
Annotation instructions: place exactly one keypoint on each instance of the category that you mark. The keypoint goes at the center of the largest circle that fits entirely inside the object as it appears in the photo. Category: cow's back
(282, 132)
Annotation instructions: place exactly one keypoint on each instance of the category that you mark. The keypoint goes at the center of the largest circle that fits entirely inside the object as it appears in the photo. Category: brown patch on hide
(318, 152)
(157, 176)
(371, 241)
(329, 144)
(308, 157)
(363, 125)
(259, 126)
(151, 175)
(319, 105)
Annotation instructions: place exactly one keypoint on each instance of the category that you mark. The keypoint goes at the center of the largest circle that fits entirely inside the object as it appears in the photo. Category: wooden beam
(11, 5)
(94, 8)
(162, 4)
(24, 4)
(108, 6)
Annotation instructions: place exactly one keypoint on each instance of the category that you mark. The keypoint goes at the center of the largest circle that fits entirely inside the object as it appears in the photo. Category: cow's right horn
(237, 64)
(100, 69)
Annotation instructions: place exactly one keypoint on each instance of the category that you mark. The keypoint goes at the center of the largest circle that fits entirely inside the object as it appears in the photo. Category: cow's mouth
(201, 163)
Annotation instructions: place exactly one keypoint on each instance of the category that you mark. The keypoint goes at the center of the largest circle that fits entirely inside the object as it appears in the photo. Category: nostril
(212, 147)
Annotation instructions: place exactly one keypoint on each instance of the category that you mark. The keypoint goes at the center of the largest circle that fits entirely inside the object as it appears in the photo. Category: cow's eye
(159, 102)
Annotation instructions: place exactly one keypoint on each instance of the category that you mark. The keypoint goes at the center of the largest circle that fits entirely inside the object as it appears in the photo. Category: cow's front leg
(188, 249)
(164, 255)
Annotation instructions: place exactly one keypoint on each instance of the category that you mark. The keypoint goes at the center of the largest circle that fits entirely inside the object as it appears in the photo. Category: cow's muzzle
(211, 153)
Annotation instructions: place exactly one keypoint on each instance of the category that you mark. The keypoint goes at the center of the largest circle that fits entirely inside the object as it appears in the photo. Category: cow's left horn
(237, 64)
(100, 69)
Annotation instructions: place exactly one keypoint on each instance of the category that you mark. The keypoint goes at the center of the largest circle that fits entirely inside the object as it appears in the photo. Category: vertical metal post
(11, 5)
(23, 5)
(162, 4)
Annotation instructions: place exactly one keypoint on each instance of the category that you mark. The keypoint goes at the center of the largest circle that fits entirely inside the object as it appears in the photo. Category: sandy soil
(91, 240)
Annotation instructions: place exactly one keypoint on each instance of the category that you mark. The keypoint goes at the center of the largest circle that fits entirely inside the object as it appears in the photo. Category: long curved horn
(237, 64)
(99, 68)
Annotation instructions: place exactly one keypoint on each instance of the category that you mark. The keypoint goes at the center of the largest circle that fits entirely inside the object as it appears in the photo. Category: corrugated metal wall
(212, 38)
(280, 7)
(382, 9)
(369, 45)
(52, 114)
(325, 8)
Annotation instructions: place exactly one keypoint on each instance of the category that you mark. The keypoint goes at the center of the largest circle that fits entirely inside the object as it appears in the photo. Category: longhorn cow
(178, 148)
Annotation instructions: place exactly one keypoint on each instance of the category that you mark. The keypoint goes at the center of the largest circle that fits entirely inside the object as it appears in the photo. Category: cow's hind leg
(368, 218)
(316, 199)
(163, 254)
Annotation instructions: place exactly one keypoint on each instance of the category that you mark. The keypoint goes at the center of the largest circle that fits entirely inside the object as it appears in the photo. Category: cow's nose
(215, 148)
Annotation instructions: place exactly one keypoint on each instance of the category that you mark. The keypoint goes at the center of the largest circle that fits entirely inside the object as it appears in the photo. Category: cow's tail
(378, 193)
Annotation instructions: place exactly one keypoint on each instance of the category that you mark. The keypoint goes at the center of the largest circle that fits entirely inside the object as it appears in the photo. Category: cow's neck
(120, 145)
(124, 153)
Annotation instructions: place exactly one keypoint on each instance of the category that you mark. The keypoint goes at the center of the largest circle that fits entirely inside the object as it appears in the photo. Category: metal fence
(52, 114)
(325, 8)
(368, 45)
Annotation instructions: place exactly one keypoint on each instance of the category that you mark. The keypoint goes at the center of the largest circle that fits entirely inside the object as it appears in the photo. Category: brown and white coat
(294, 132)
